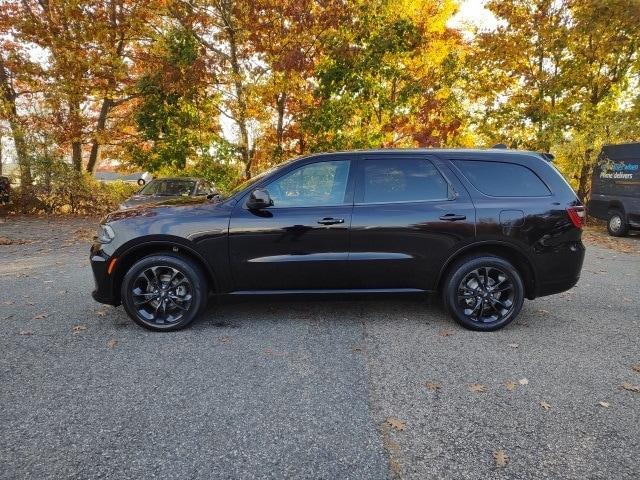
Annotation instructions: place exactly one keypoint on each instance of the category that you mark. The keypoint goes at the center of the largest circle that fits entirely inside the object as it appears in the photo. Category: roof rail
(549, 157)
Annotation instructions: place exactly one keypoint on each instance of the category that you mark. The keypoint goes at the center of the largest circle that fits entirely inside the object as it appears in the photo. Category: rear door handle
(452, 217)
(330, 221)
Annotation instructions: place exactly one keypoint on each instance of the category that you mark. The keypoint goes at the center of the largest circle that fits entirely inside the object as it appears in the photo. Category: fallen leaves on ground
(433, 386)
(514, 345)
(545, 405)
(542, 311)
(604, 404)
(636, 367)
(511, 385)
(445, 333)
(523, 381)
(12, 241)
(357, 348)
(40, 316)
(630, 387)
(224, 338)
(101, 313)
(396, 424)
(501, 458)
(112, 343)
(598, 235)
(8, 302)
(477, 388)
(79, 328)
(25, 332)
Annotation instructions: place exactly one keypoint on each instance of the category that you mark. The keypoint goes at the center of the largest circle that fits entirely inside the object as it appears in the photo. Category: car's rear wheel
(483, 293)
(164, 292)
(616, 225)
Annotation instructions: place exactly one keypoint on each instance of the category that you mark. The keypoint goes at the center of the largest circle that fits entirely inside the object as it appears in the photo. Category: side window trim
(349, 190)
(358, 198)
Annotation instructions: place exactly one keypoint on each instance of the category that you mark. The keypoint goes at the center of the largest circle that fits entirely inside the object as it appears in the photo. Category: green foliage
(387, 79)
(176, 117)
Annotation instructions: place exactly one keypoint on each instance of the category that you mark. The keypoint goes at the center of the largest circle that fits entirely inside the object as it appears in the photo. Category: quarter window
(500, 179)
(316, 184)
(401, 180)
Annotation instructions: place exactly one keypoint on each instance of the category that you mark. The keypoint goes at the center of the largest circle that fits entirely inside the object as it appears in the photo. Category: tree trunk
(9, 95)
(585, 175)
(96, 147)
(76, 131)
(241, 118)
(24, 162)
(281, 100)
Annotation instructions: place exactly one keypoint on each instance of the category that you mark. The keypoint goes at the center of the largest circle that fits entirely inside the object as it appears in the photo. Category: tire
(616, 224)
(471, 281)
(164, 292)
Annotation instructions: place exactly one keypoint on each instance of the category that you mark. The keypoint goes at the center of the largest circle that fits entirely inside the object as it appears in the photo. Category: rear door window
(400, 180)
(501, 179)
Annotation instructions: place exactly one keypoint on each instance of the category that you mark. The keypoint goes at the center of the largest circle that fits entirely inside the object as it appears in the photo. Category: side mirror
(259, 199)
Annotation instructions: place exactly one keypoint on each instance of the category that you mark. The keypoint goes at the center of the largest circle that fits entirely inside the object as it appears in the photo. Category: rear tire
(164, 292)
(616, 224)
(483, 293)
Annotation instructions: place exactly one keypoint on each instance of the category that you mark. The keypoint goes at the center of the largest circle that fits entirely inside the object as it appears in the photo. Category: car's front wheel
(164, 292)
(483, 293)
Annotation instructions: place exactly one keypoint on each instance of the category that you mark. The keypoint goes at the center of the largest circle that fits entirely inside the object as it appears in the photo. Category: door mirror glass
(259, 199)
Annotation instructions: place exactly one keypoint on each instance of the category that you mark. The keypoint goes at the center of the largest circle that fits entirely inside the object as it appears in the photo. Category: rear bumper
(103, 293)
(559, 269)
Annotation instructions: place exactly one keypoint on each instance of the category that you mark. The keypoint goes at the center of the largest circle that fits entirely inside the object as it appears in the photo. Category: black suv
(486, 228)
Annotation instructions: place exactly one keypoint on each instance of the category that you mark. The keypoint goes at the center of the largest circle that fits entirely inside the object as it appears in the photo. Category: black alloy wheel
(164, 292)
(483, 293)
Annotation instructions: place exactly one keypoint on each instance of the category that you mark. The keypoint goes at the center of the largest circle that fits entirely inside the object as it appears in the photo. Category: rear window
(500, 179)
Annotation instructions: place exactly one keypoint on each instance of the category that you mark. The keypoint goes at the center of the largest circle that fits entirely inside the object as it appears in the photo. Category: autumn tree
(387, 78)
(516, 79)
(288, 37)
(83, 51)
(603, 51)
(554, 75)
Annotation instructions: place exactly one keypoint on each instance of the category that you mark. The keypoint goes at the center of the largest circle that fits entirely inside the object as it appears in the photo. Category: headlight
(105, 234)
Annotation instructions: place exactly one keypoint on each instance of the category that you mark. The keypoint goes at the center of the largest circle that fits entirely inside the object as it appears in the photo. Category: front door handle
(452, 217)
(330, 221)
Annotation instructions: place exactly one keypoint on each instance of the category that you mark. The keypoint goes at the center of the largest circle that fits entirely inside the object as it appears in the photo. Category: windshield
(257, 178)
(169, 188)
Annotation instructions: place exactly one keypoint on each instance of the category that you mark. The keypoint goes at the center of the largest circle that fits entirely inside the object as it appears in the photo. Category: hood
(167, 206)
(136, 200)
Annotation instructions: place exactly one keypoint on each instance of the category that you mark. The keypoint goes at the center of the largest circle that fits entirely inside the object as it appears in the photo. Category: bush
(71, 192)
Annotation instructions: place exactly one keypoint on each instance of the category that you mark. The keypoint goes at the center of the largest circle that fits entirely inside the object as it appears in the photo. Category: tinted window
(316, 184)
(501, 179)
(401, 180)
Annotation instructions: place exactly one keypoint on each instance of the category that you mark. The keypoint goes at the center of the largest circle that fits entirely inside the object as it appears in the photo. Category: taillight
(577, 216)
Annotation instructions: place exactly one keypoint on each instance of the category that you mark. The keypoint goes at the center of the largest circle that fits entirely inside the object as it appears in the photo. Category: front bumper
(103, 292)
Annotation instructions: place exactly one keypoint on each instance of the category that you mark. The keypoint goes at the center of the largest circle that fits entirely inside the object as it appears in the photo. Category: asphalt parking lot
(373, 389)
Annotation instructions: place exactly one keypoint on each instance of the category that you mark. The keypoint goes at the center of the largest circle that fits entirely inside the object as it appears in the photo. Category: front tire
(483, 293)
(164, 292)
(616, 224)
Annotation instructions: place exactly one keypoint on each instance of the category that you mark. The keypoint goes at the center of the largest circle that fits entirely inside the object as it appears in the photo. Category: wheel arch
(504, 250)
(129, 254)
(616, 205)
